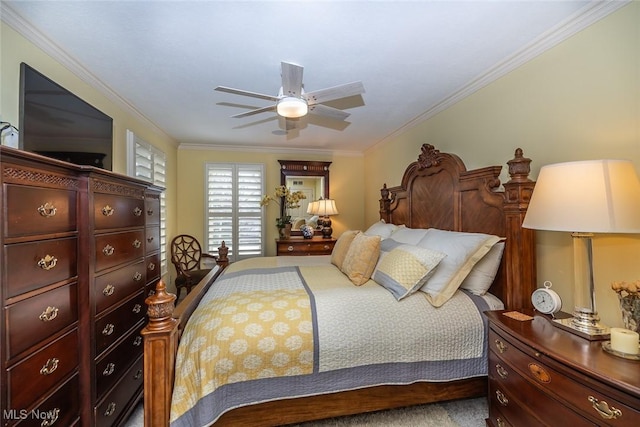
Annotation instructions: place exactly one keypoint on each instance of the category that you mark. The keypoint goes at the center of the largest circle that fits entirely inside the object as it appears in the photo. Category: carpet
(457, 413)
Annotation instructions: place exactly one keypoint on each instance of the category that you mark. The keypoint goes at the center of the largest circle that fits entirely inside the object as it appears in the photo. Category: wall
(579, 100)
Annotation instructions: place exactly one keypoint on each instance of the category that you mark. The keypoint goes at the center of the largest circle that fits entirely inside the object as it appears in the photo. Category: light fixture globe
(291, 107)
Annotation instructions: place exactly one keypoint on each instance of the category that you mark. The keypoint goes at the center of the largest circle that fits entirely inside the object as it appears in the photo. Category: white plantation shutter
(234, 214)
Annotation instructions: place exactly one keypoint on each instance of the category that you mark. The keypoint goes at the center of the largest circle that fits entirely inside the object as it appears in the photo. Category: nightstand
(295, 246)
(540, 374)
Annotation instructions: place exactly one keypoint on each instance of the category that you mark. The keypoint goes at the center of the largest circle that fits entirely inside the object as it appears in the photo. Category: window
(233, 208)
(149, 163)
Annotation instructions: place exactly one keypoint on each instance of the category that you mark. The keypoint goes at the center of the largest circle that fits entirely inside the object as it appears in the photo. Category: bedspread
(265, 332)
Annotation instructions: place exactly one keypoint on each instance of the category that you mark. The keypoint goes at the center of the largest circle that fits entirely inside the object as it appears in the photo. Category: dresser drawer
(117, 285)
(37, 210)
(152, 239)
(305, 247)
(114, 364)
(153, 267)
(117, 248)
(115, 211)
(34, 375)
(111, 327)
(29, 266)
(117, 401)
(35, 319)
(62, 408)
(152, 209)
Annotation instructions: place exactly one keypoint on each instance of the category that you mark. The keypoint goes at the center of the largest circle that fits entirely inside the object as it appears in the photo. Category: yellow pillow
(342, 247)
(361, 258)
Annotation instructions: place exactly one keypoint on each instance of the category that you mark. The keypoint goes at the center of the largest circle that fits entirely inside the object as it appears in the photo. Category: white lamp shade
(594, 196)
(313, 208)
(327, 207)
(292, 107)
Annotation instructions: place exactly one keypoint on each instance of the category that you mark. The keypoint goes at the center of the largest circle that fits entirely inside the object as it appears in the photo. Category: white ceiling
(162, 59)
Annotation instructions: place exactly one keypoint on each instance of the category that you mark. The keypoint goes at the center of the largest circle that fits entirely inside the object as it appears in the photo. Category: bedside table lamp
(326, 208)
(583, 198)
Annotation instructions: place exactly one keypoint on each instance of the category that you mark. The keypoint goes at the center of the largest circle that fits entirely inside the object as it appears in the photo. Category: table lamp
(326, 208)
(583, 198)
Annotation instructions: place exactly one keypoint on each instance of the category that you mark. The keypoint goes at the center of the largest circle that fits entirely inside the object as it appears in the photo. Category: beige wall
(579, 100)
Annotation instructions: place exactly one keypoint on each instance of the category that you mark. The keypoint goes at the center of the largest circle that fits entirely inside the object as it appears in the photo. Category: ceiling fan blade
(256, 111)
(291, 79)
(336, 92)
(324, 110)
(246, 93)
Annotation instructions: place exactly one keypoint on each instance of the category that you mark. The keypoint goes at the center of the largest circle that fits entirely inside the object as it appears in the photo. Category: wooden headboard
(437, 191)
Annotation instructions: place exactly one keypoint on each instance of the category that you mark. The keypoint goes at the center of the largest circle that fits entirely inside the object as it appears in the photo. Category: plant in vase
(629, 296)
(286, 200)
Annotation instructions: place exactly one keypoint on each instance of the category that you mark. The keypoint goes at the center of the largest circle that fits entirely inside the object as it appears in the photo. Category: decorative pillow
(482, 274)
(313, 221)
(381, 229)
(409, 236)
(297, 223)
(341, 247)
(361, 258)
(463, 251)
(406, 268)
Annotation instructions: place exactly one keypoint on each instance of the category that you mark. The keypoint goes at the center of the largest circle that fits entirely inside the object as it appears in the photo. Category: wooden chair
(186, 255)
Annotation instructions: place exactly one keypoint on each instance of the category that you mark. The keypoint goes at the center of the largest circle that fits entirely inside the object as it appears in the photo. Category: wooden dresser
(79, 247)
(300, 246)
(541, 375)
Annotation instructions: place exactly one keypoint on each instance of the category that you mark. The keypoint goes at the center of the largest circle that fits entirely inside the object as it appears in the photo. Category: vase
(285, 232)
(630, 307)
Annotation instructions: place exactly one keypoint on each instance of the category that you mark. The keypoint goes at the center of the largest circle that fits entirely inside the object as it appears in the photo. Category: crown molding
(272, 150)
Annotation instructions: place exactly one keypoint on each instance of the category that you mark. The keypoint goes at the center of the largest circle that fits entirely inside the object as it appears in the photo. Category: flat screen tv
(56, 123)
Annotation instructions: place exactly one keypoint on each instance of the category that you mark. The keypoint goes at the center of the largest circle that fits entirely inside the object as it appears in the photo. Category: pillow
(341, 247)
(381, 229)
(313, 221)
(409, 236)
(405, 269)
(482, 274)
(297, 223)
(463, 251)
(361, 258)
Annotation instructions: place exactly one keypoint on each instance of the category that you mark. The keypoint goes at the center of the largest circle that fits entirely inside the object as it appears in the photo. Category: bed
(436, 199)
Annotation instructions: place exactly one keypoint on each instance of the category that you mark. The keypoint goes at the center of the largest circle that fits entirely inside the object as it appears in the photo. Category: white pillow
(381, 229)
(463, 251)
(409, 236)
(484, 272)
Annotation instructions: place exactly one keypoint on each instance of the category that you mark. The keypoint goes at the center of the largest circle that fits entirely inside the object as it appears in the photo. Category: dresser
(80, 250)
(541, 375)
(295, 246)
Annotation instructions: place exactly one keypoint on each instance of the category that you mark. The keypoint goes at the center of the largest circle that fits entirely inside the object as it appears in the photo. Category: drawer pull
(502, 399)
(500, 422)
(108, 329)
(111, 408)
(48, 262)
(326, 247)
(108, 210)
(137, 211)
(137, 341)
(539, 373)
(290, 248)
(502, 373)
(49, 314)
(150, 239)
(603, 409)
(150, 212)
(50, 366)
(108, 290)
(151, 266)
(53, 417)
(136, 244)
(108, 250)
(47, 210)
(502, 347)
(138, 374)
(137, 276)
(110, 369)
(137, 308)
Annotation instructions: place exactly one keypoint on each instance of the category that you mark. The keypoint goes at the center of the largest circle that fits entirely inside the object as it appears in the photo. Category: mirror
(312, 178)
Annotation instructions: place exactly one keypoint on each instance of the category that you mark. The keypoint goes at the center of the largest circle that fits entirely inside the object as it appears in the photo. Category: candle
(624, 341)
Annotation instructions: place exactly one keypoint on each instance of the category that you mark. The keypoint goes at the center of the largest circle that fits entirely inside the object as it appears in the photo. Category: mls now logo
(47, 417)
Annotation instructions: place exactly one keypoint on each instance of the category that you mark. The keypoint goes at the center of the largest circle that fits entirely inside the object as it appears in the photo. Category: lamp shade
(593, 196)
(327, 207)
(312, 208)
(292, 107)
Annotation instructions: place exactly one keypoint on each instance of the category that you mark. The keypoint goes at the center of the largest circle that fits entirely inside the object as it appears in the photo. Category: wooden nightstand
(540, 374)
(301, 246)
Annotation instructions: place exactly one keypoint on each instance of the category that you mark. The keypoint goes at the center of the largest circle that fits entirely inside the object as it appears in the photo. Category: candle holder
(606, 346)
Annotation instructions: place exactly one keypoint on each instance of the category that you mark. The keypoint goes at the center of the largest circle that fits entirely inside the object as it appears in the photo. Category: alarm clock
(545, 300)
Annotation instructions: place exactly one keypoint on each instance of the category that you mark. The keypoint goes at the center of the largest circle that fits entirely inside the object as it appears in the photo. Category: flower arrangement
(629, 296)
(291, 200)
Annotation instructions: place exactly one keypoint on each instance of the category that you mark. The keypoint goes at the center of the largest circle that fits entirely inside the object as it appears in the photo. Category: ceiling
(161, 60)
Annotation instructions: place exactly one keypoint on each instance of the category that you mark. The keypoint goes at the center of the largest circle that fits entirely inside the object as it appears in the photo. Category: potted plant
(286, 200)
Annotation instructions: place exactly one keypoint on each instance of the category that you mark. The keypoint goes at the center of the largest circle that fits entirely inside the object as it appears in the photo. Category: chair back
(186, 253)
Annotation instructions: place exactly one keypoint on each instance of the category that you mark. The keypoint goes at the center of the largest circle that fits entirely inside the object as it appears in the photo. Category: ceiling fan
(292, 102)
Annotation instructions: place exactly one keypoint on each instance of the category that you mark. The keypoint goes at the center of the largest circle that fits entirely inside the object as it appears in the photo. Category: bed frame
(435, 191)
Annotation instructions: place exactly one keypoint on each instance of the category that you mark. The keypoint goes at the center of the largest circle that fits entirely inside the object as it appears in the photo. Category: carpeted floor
(458, 413)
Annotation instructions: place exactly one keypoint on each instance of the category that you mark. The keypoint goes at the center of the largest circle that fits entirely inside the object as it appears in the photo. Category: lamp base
(590, 329)
(327, 231)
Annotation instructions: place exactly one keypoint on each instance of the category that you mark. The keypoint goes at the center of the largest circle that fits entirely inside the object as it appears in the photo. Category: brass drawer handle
(500, 422)
(150, 212)
(108, 290)
(49, 314)
(603, 409)
(108, 329)
(290, 248)
(137, 276)
(138, 374)
(53, 417)
(108, 210)
(150, 239)
(111, 408)
(326, 247)
(151, 266)
(137, 308)
(47, 210)
(110, 369)
(50, 366)
(502, 347)
(502, 373)
(48, 262)
(136, 244)
(137, 211)
(137, 341)
(108, 250)
(502, 399)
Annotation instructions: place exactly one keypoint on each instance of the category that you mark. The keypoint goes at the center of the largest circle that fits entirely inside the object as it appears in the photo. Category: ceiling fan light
(292, 107)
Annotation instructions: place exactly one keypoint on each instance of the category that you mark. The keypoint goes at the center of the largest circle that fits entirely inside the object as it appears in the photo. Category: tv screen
(56, 123)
